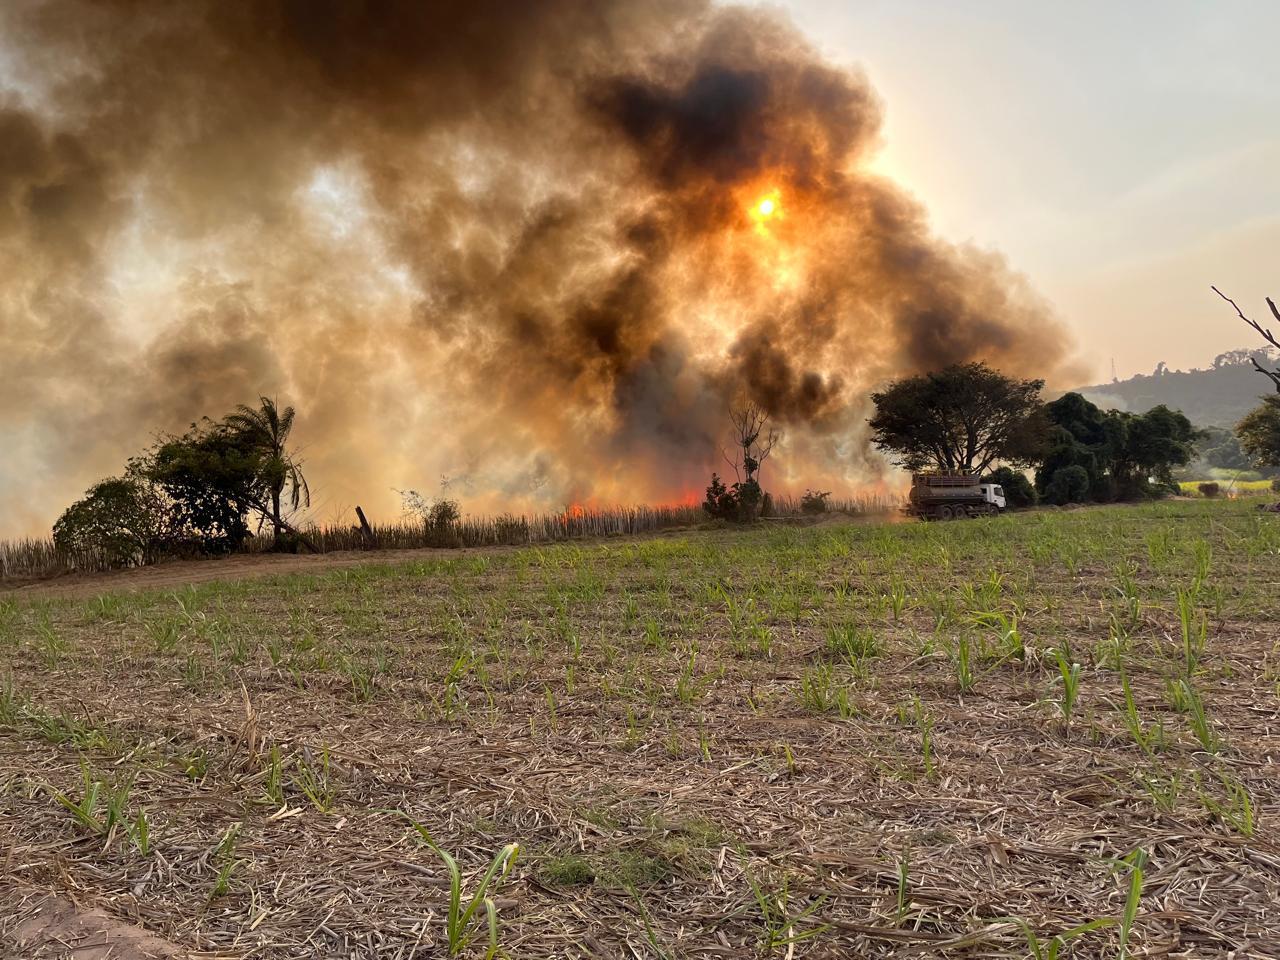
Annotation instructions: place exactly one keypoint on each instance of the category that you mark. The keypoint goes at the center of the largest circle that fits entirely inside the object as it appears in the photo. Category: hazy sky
(1123, 155)
(367, 223)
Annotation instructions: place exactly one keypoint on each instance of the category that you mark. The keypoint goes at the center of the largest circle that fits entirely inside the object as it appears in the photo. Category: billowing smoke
(541, 246)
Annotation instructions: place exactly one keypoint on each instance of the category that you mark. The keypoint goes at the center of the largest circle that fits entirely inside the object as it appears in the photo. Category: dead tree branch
(752, 438)
(1264, 332)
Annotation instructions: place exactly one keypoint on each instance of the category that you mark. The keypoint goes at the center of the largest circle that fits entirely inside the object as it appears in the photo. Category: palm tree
(266, 431)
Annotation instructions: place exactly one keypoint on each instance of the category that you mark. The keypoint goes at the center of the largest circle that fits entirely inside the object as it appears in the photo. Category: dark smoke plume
(539, 245)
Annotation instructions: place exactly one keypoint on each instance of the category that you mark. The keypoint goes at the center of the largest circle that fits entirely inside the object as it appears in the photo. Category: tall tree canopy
(962, 419)
(210, 474)
(1259, 432)
(1116, 453)
(265, 431)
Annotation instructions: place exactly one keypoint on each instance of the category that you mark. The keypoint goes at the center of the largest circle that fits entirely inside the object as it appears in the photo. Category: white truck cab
(993, 493)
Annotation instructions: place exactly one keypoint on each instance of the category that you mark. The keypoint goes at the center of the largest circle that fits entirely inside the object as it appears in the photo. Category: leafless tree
(1264, 332)
(753, 441)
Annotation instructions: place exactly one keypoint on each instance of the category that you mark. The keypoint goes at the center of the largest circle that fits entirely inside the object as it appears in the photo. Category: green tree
(961, 419)
(1259, 432)
(210, 474)
(1153, 444)
(1080, 436)
(1119, 453)
(125, 521)
(265, 431)
(1068, 485)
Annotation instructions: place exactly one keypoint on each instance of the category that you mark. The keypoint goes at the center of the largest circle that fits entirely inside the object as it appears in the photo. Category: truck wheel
(944, 512)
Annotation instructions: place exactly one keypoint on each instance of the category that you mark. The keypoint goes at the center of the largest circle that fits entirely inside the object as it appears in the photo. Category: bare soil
(42, 926)
(246, 566)
(705, 744)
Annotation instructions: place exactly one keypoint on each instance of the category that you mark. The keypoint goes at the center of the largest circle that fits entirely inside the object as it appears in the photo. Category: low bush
(1067, 485)
(720, 502)
(814, 501)
(442, 524)
(440, 518)
(120, 522)
(740, 503)
(1209, 489)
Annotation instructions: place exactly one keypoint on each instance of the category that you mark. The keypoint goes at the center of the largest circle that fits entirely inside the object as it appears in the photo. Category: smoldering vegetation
(527, 244)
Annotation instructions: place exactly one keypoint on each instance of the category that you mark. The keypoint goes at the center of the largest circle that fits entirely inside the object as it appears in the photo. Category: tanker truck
(950, 496)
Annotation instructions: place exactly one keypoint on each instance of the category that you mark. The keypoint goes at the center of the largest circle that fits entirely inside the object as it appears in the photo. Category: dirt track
(177, 573)
(240, 567)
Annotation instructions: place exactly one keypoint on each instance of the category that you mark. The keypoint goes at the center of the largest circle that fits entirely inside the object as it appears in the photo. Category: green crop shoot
(460, 917)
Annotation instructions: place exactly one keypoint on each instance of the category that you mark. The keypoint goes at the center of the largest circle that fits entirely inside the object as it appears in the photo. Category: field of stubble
(837, 740)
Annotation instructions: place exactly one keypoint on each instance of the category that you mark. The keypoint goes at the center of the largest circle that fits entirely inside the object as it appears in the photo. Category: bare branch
(750, 422)
(732, 462)
(1273, 374)
(1266, 334)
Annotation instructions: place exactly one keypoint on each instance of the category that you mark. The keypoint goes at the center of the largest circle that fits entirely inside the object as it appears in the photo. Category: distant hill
(1216, 397)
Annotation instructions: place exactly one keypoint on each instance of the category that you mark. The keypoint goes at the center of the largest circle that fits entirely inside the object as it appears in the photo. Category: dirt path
(43, 925)
(243, 566)
(178, 573)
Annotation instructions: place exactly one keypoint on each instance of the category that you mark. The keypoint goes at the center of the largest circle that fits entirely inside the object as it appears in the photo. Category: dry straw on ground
(706, 744)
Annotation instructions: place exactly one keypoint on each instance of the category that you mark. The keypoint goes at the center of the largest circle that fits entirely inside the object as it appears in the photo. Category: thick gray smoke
(541, 245)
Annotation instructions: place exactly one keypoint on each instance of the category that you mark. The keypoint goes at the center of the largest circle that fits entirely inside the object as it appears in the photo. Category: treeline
(1220, 455)
(232, 486)
(1217, 396)
(193, 495)
(1104, 456)
(971, 419)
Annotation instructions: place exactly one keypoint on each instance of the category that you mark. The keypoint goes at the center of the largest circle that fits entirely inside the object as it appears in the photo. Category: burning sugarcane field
(576, 479)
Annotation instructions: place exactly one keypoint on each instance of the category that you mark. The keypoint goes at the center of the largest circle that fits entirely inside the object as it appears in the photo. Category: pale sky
(1122, 155)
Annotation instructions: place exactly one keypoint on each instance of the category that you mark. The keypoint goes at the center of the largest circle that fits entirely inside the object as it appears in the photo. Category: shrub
(442, 524)
(443, 513)
(740, 503)
(1103, 489)
(1208, 489)
(440, 517)
(1068, 485)
(720, 502)
(814, 501)
(750, 499)
(122, 522)
(1018, 491)
(509, 528)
